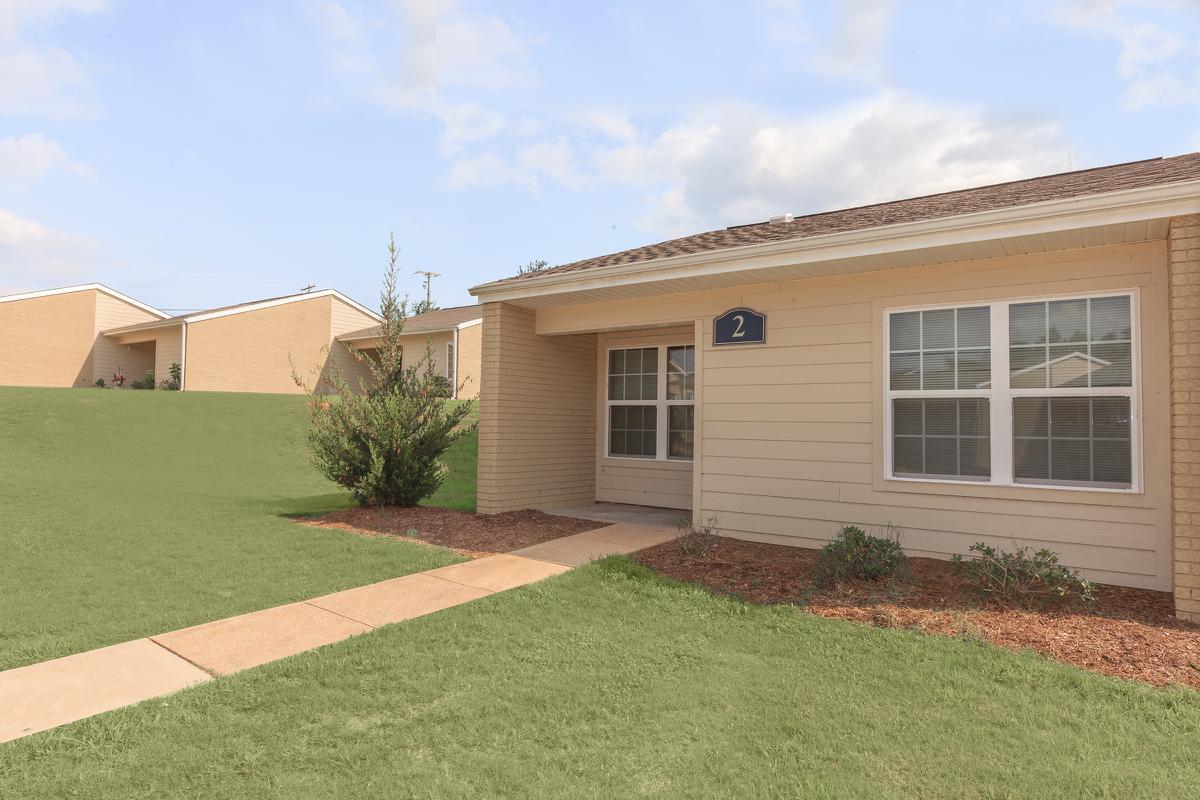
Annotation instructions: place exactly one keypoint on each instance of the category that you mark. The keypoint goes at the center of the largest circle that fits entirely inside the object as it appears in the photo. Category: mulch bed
(1127, 633)
(473, 535)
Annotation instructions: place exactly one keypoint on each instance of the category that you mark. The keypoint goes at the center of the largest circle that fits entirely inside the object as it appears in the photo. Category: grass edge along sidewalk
(130, 513)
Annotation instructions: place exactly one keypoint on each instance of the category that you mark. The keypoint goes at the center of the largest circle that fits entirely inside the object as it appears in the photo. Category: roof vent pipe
(776, 219)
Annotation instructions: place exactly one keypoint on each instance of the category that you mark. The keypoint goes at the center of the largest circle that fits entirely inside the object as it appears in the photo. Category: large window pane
(1071, 343)
(681, 373)
(1073, 440)
(946, 438)
(633, 374)
(680, 436)
(940, 349)
(632, 431)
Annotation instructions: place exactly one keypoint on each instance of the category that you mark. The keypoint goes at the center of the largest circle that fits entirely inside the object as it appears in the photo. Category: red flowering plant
(119, 378)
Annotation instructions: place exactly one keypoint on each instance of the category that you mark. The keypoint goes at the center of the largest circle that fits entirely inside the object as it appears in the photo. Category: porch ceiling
(149, 333)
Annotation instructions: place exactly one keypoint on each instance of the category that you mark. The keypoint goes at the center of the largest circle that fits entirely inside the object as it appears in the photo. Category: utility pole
(429, 276)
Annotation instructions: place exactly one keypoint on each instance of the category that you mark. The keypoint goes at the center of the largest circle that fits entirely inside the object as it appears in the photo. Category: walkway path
(42, 696)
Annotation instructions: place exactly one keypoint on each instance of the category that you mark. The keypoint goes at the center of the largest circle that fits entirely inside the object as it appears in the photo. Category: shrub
(440, 386)
(383, 440)
(175, 380)
(1024, 576)
(144, 383)
(854, 553)
(700, 538)
(99, 383)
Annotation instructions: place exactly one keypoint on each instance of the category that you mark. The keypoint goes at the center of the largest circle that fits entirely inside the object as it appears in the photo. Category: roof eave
(1128, 205)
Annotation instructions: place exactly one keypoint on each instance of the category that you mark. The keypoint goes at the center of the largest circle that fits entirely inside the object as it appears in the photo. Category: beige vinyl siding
(345, 318)
(415, 345)
(470, 351)
(537, 414)
(134, 360)
(792, 432)
(168, 350)
(640, 481)
(47, 341)
(253, 351)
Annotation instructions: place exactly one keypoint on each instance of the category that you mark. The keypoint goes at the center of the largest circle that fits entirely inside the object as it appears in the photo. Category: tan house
(1011, 363)
(54, 337)
(255, 346)
(453, 337)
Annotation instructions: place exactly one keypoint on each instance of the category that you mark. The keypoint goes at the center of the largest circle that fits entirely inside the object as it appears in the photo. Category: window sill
(669, 463)
(1136, 498)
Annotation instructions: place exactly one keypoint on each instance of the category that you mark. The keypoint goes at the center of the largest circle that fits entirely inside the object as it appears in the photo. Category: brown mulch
(1127, 633)
(473, 535)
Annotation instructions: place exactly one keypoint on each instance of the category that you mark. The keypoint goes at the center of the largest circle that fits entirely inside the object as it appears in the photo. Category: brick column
(1184, 243)
(537, 414)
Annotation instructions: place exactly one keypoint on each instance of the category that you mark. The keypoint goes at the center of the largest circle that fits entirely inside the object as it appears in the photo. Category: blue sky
(198, 154)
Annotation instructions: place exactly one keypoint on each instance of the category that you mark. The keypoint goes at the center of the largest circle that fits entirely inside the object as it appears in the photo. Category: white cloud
(36, 79)
(855, 50)
(34, 256)
(736, 164)
(612, 124)
(1160, 64)
(741, 165)
(422, 59)
(24, 159)
(16, 15)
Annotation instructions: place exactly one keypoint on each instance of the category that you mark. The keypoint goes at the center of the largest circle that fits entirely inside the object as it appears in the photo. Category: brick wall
(537, 414)
(1185, 411)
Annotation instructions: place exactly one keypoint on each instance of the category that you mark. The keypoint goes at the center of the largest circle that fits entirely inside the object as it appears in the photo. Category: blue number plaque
(740, 326)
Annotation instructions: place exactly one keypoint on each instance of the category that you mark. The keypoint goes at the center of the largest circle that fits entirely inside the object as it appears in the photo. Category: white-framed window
(1039, 392)
(649, 402)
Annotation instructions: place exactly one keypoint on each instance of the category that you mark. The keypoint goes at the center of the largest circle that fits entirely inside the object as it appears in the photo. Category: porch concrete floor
(43, 696)
(615, 513)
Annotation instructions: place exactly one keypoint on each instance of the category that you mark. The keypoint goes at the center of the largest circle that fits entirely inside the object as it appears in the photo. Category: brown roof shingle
(436, 320)
(1080, 183)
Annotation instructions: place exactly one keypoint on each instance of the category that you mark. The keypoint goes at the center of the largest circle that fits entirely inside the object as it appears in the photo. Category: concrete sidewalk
(42, 696)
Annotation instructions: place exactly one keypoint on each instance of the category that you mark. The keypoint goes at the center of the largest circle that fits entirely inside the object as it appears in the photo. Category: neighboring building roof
(440, 319)
(1062, 186)
(99, 287)
(240, 308)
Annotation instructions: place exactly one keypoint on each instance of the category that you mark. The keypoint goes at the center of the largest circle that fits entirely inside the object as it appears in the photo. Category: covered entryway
(572, 418)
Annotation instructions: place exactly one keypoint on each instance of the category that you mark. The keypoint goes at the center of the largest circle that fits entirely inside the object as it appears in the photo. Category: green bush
(440, 386)
(144, 383)
(99, 383)
(1024, 576)
(854, 553)
(383, 440)
(175, 380)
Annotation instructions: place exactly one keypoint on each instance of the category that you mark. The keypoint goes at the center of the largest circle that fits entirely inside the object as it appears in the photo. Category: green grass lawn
(129, 513)
(610, 682)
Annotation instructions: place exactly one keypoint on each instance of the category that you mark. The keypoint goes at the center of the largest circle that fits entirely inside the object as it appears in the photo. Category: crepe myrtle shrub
(1023, 576)
(175, 379)
(854, 553)
(382, 437)
(441, 386)
(146, 382)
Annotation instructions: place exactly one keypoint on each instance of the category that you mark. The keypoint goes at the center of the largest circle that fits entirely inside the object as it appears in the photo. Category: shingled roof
(440, 319)
(1065, 185)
